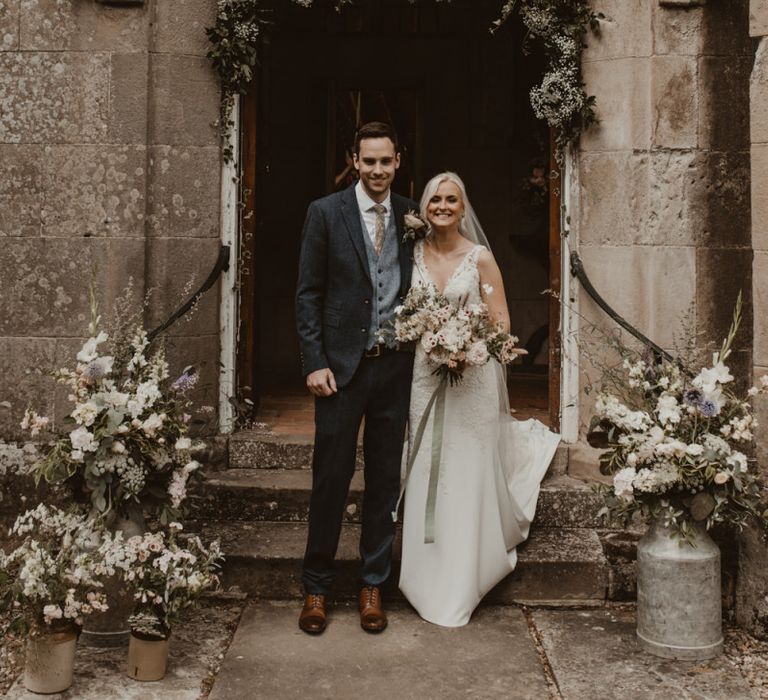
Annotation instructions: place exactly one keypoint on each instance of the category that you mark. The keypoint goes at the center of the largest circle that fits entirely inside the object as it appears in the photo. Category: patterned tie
(378, 237)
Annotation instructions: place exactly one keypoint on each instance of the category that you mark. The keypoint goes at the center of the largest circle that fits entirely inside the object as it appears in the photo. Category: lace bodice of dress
(464, 283)
(475, 398)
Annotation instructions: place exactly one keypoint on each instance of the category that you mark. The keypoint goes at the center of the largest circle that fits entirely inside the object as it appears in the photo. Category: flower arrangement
(560, 26)
(415, 227)
(163, 576)
(678, 444)
(560, 99)
(454, 337)
(127, 443)
(51, 581)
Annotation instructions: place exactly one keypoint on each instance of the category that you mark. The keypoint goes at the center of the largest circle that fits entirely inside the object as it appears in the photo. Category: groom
(354, 269)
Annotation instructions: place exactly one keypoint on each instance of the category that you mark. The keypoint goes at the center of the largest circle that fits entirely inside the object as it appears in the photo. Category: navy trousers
(379, 392)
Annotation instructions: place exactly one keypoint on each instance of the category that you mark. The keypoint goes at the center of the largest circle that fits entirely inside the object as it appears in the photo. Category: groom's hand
(321, 382)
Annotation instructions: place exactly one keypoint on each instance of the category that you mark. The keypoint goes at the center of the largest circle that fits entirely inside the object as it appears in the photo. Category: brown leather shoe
(372, 616)
(313, 614)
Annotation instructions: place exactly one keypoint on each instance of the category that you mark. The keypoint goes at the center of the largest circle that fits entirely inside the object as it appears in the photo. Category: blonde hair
(430, 189)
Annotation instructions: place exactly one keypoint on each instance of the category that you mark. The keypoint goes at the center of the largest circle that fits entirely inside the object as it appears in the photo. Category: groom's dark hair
(376, 130)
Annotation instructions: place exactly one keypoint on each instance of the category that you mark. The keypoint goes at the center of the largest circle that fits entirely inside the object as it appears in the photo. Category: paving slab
(492, 657)
(594, 654)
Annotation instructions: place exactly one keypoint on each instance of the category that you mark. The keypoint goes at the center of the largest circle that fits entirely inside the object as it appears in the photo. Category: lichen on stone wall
(53, 97)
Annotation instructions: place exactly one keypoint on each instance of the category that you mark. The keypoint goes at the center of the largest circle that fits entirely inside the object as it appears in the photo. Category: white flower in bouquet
(709, 378)
(622, 482)
(429, 341)
(177, 489)
(51, 613)
(82, 439)
(152, 424)
(183, 443)
(50, 580)
(164, 576)
(85, 413)
(613, 410)
(89, 351)
(34, 423)
(718, 446)
(478, 353)
(656, 480)
(694, 450)
(671, 448)
(739, 460)
(668, 409)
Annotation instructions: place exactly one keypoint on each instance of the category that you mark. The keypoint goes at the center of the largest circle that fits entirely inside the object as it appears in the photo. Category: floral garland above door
(560, 25)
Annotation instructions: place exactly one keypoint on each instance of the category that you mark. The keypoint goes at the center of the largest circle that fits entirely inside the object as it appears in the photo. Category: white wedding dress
(490, 471)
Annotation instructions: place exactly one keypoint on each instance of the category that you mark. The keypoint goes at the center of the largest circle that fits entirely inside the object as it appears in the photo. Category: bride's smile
(445, 207)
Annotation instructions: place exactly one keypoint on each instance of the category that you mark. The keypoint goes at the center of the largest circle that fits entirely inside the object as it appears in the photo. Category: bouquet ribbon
(436, 401)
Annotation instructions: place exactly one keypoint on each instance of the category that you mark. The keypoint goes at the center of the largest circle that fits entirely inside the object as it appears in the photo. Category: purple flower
(692, 396)
(708, 408)
(184, 383)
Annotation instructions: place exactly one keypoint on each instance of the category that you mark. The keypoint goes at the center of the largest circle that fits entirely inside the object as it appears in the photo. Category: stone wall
(661, 208)
(752, 605)
(108, 158)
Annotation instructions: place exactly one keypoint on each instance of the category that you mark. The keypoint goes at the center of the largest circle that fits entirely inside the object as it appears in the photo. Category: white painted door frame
(569, 356)
(229, 320)
(229, 306)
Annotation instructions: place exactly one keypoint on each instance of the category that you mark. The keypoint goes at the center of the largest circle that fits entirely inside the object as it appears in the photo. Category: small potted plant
(49, 583)
(165, 576)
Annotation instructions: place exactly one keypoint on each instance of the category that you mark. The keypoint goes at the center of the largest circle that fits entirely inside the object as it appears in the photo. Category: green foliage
(559, 25)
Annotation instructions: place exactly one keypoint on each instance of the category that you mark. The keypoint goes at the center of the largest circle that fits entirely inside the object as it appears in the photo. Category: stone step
(255, 449)
(283, 495)
(555, 566)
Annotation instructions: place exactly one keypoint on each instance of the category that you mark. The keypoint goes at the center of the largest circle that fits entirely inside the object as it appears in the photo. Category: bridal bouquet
(127, 441)
(50, 582)
(163, 575)
(678, 444)
(454, 337)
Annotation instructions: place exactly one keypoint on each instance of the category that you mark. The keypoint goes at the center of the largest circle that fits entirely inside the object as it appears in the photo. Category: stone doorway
(458, 97)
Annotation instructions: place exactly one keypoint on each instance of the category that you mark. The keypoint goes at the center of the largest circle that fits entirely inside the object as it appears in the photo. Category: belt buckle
(375, 351)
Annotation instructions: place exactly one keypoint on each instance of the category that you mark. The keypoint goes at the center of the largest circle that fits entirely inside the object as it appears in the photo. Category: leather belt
(381, 349)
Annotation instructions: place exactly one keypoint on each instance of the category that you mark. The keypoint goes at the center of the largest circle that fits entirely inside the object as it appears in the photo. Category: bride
(491, 465)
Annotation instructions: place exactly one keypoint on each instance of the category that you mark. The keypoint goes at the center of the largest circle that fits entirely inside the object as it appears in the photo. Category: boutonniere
(415, 227)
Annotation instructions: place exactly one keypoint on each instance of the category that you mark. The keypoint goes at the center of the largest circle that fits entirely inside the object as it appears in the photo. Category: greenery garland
(560, 25)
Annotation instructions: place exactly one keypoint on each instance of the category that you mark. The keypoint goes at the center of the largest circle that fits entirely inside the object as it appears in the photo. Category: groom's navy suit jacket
(334, 291)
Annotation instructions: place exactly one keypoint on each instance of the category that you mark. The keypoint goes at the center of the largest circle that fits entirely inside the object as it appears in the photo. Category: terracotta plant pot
(147, 658)
(50, 662)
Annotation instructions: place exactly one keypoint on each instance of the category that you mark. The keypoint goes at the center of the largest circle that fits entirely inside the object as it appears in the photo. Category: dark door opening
(458, 97)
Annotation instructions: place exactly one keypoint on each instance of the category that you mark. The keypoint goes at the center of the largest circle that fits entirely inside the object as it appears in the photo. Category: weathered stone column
(73, 169)
(751, 601)
(183, 185)
(663, 180)
(109, 159)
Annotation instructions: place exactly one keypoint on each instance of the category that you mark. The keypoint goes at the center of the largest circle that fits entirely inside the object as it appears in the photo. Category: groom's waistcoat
(385, 279)
(337, 295)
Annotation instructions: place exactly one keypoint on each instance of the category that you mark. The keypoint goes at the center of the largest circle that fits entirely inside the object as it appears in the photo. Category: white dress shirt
(366, 204)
